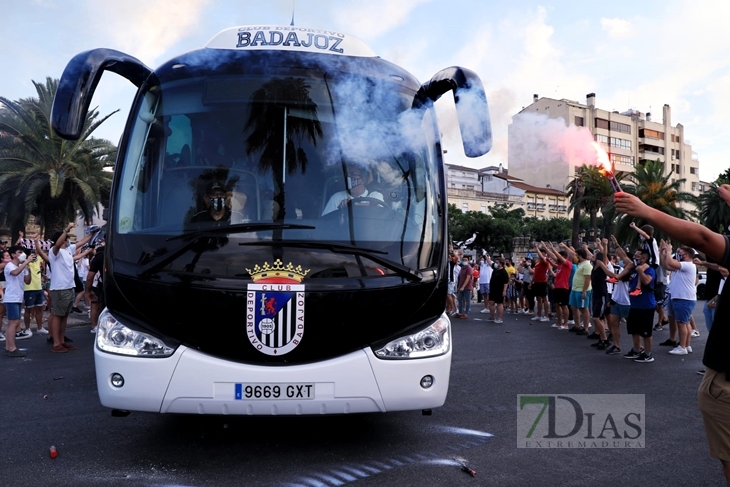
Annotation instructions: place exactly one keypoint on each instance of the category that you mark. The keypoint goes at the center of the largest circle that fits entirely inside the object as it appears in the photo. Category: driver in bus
(355, 189)
(218, 206)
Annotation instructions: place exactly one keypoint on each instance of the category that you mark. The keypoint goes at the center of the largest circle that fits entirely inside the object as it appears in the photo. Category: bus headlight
(429, 342)
(112, 336)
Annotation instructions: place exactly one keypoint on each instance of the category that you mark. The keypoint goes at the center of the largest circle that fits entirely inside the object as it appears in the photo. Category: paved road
(49, 399)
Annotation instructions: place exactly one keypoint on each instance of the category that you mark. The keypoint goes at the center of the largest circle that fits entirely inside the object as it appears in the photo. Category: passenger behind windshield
(355, 182)
(218, 206)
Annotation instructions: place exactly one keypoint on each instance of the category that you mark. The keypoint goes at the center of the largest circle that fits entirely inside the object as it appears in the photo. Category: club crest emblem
(275, 307)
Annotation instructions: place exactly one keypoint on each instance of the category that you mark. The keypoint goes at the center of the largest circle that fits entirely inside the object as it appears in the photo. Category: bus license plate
(265, 392)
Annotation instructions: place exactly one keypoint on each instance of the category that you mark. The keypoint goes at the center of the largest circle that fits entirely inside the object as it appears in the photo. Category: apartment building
(479, 189)
(630, 137)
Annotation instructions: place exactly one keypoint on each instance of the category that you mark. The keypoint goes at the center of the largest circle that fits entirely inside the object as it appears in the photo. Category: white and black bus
(276, 237)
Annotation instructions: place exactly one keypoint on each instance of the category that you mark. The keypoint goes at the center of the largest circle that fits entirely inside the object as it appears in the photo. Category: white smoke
(539, 142)
(370, 128)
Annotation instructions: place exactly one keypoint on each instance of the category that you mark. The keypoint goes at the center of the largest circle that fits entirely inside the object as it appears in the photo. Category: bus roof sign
(289, 38)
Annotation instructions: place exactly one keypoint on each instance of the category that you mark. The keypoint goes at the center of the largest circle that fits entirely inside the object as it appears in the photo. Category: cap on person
(214, 186)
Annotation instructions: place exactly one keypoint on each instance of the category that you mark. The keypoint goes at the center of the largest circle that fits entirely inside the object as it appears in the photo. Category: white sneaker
(2, 337)
(535, 318)
(544, 318)
(554, 325)
(520, 311)
(695, 333)
(562, 328)
(571, 322)
(679, 351)
(93, 330)
(484, 311)
(498, 321)
(42, 331)
(689, 349)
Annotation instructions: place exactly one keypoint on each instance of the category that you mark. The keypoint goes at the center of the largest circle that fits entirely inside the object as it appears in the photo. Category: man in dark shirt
(498, 291)
(599, 299)
(218, 206)
(714, 392)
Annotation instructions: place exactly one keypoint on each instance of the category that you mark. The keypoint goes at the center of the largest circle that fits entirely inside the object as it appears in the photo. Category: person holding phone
(16, 274)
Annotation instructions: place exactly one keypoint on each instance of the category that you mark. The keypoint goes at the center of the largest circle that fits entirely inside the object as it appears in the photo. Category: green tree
(714, 211)
(41, 172)
(552, 230)
(592, 193)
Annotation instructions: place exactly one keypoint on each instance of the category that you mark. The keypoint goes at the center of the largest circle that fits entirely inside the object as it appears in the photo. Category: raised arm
(39, 250)
(666, 259)
(689, 233)
(638, 230)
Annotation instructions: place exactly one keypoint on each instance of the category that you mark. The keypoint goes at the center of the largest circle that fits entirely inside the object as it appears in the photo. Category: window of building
(651, 134)
(603, 139)
(620, 143)
(620, 127)
(601, 123)
(484, 209)
(694, 186)
(651, 148)
(465, 207)
(621, 159)
(579, 121)
(693, 170)
(702, 187)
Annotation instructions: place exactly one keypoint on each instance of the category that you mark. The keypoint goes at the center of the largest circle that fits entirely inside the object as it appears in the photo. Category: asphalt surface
(50, 399)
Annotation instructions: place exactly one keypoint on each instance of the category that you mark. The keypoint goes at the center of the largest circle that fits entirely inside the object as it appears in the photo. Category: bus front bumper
(192, 382)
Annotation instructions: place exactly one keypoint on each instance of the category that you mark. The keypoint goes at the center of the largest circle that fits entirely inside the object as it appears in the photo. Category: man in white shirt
(485, 275)
(683, 292)
(355, 189)
(61, 258)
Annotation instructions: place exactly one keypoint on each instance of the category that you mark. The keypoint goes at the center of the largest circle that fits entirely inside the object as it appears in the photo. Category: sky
(633, 55)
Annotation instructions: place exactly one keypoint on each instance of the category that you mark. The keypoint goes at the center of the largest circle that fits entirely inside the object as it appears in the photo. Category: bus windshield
(300, 155)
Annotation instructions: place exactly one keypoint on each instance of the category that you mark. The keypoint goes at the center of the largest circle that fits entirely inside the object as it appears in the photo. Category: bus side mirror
(78, 83)
(471, 106)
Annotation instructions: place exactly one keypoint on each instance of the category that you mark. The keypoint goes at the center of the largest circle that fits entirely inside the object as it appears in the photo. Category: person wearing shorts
(561, 292)
(61, 258)
(498, 292)
(34, 298)
(453, 270)
(581, 292)
(683, 293)
(640, 321)
(485, 275)
(539, 283)
(16, 275)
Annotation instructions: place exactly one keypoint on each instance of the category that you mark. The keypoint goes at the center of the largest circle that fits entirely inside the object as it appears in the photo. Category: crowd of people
(52, 275)
(591, 290)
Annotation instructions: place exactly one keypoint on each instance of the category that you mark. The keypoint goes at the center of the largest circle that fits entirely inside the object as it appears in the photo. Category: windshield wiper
(338, 248)
(196, 236)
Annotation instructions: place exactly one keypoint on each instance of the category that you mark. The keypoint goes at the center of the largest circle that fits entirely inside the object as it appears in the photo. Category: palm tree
(41, 172)
(274, 133)
(714, 211)
(575, 191)
(656, 191)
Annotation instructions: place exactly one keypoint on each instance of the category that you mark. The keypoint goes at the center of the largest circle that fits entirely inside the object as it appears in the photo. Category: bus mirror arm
(471, 106)
(78, 83)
